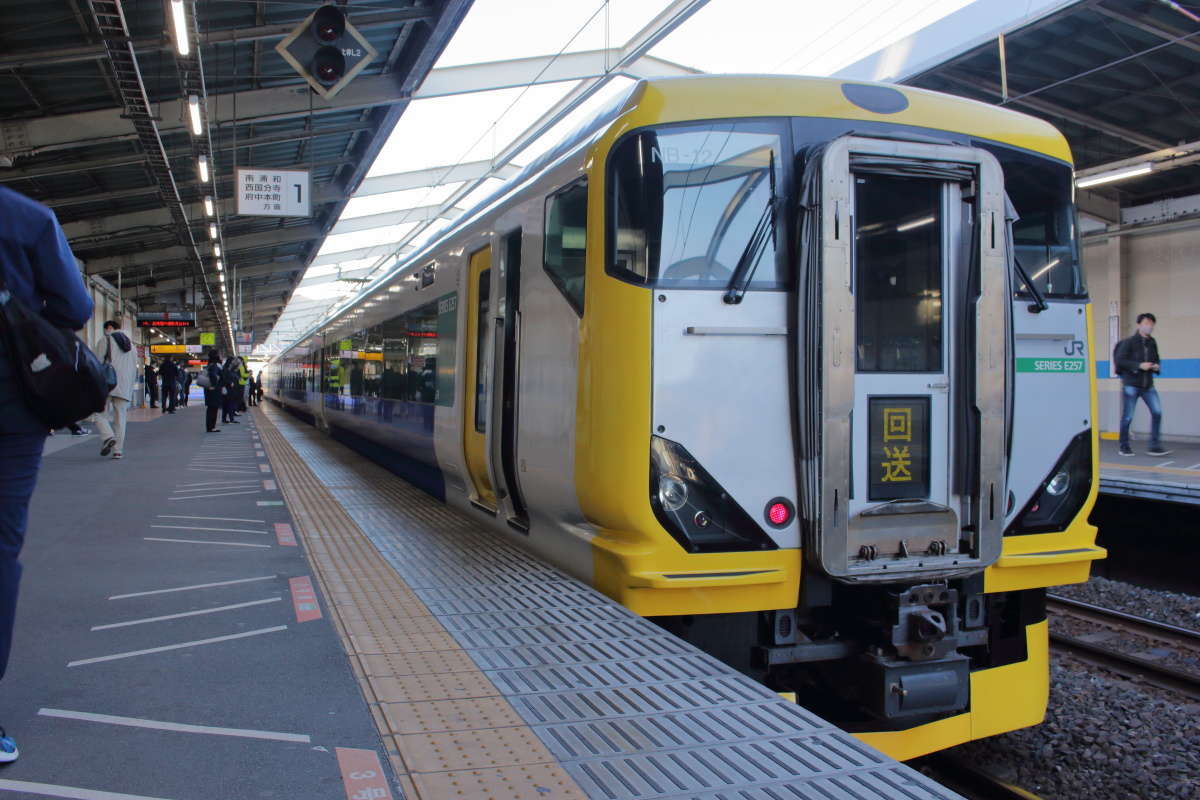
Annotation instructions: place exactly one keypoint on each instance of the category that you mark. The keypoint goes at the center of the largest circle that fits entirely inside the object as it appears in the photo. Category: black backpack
(63, 380)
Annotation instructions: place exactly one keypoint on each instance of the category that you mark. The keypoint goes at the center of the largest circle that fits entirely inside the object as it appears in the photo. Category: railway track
(967, 779)
(1103, 655)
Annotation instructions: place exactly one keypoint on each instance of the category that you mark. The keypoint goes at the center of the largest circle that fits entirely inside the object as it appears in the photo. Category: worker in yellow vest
(242, 377)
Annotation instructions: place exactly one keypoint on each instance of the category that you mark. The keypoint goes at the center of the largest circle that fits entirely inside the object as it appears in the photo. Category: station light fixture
(220, 266)
(217, 252)
(209, 209)
(221, 275)
(179, 19)
(212, 231)
(203, 168)
(1114, 175)
(194, 114)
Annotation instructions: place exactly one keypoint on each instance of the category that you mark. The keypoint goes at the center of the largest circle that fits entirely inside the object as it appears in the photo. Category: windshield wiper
(1039, 303)
(748, 261)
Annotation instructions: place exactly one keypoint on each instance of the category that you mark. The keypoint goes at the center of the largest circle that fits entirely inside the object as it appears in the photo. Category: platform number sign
(274, 192)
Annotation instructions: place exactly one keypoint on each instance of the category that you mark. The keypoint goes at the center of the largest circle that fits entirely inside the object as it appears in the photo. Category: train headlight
(694, 508)
(1059, 483)
(1061, 493)
(672, 492)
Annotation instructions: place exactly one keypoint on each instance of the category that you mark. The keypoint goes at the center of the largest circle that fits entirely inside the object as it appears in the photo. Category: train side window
(565, 242)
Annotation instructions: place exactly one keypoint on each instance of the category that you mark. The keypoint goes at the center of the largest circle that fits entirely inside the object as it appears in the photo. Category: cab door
(905, 330)
(477, 385)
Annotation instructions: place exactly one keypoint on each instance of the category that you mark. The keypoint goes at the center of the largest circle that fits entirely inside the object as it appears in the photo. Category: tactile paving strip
(627, 710)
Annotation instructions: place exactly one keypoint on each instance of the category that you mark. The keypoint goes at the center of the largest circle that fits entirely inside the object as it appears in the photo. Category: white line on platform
(135, 722)
(1165, 463)
(193, 586)
(1193, 466)
(225, 494)
(212, 483)
(197, 528)
(221, 487)
(186, 614)
(203, 541)
(51, 790)
(219, 519)
(181, 645)
(223, 470)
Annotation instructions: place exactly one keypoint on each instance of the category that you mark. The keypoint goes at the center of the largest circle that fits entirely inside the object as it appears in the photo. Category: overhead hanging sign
(166, 319)
(209, 339)
(274, 192)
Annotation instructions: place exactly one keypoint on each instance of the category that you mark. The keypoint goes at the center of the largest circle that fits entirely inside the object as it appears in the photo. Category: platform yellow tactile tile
(450, 715)
(543, 781)
(471, 749)
(414, 688)
(433, 662)
(425, 693)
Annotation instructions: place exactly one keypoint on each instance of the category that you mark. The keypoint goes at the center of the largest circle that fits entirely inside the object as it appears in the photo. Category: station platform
(1174, 477)
(262, 613)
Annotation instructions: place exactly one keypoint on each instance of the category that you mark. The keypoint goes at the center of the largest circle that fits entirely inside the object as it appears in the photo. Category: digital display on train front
(898, 446)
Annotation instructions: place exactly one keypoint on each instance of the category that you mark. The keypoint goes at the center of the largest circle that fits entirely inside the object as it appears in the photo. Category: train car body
(800, 368)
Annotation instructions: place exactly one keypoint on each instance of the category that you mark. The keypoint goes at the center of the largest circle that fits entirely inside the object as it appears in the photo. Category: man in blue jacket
(37, 267)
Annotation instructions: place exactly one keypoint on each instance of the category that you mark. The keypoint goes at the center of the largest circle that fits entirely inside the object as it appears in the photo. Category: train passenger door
(478, 383)
(506, 357)
(914, 337)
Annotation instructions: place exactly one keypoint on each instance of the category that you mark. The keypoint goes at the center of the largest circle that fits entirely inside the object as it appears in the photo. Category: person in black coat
(152, 384)
(212, 393)
(230, 388)
(168, 373)
(1137, 362)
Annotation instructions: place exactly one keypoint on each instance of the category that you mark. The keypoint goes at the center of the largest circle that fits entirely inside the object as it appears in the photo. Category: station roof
(1119, 78)
(93, 123)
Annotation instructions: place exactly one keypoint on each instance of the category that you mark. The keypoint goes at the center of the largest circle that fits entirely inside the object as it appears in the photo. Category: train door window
(898, 274)
(565, 240)
(688, 202)
(484, 292)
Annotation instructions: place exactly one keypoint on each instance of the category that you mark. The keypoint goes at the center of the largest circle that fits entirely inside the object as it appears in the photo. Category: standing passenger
(152, 384)
(185, 376)
(243, 380)
(36, 267)
(1137, 363)
(168, 374)
(229, 385)
(115, 348)
(212, 393)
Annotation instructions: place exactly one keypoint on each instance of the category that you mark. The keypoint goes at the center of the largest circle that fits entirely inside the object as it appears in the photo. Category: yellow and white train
(799, 368)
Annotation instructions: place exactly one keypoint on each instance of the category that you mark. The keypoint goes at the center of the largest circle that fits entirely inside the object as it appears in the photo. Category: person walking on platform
(251, 390)
(259, 384)
(1137, 363)
(115, 348)
(152, 384)
(38, 268)
(212, 392)
(168, 374)
(229, 387)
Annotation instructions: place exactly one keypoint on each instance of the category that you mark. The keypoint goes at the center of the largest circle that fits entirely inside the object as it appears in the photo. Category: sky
(807, 37)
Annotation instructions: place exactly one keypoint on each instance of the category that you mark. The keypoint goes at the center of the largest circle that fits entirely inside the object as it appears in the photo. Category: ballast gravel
(1105, 737)
(1171, 607)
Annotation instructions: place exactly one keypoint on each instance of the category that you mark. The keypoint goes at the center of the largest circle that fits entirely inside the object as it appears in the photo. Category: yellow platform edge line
(307, 501)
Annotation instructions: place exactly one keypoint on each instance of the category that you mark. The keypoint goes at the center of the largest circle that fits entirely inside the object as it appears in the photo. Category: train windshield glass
(685, 201)
(1044, 236)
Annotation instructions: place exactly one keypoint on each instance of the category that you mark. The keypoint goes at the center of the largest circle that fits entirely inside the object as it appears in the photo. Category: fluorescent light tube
(208, 206)
(216, 249)
(1115, 175)
(182, 43)
(194, 113)
(203, 169)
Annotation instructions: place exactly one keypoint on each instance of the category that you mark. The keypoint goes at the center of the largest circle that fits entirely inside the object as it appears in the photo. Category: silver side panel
(721, 391)
(834, 538)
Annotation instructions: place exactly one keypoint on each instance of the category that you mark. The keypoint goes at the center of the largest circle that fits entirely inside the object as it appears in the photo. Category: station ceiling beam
(72, 55)
(1153, 27)
(284, 102)
(141, 289)
(232, 245)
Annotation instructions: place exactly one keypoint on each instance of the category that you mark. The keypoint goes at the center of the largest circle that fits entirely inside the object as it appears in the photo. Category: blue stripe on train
(1171, 368)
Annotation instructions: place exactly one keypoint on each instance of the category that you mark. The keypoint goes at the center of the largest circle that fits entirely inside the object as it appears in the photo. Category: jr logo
(1074, 348)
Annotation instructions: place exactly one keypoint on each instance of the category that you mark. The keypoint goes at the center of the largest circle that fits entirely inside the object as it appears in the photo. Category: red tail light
(779, 512)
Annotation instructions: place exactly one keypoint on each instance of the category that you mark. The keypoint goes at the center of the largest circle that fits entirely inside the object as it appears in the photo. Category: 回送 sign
(899, 448)
(274, 192)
